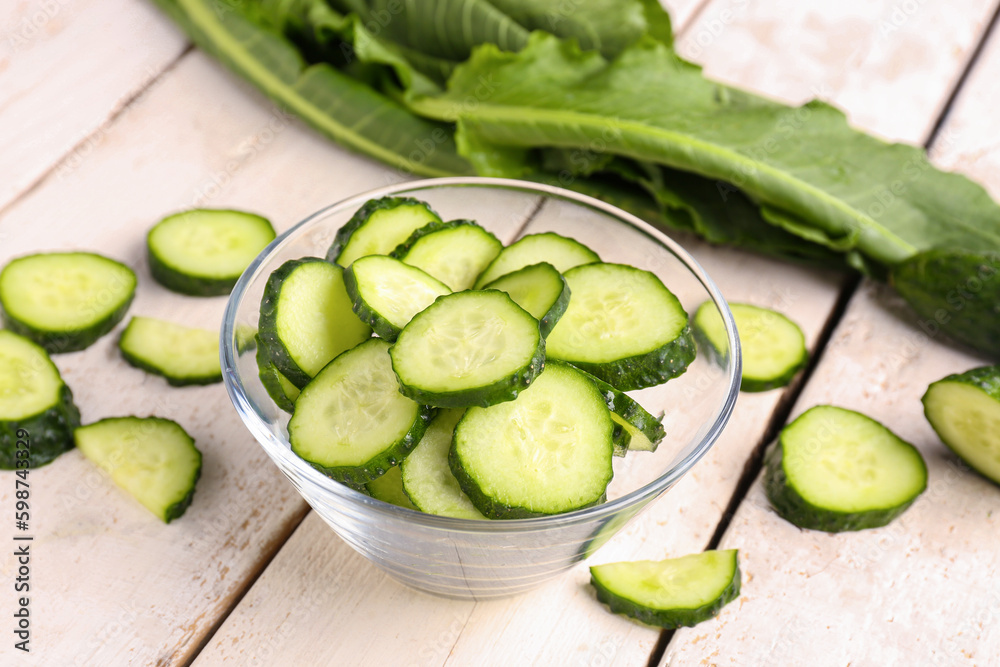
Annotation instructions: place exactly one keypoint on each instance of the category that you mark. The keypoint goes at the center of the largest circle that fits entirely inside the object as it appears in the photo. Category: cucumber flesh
(203, 252)
(378, 227)
(306, 318)
(386, 293)
(672, 593)
(153, 459)
(964, 410)
(560, 251)
(351, 422)
(547, 452)
(835, 470)
(389, 489)
(36, 406)
(183, 355)
(427, 477)
(623, 326)
(540, 289)
(773, 347)
(468, 348)
(454, 252)
(65, 301)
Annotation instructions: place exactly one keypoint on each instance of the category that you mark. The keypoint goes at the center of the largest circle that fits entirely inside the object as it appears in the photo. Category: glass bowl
(482, 559)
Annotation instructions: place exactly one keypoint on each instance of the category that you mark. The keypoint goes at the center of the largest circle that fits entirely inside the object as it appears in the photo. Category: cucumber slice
(203, 252)
(427, 477)
(182, 355)
(277, 386)
(351, 422)
(773, 347)
(153, 459)
(640, 430)
(378, 227)
(386, 293)
(547, 452)
(454, 252)
(964, 410)
(37, 413)
(468, 348)
(560, 251)
(389, 488)
(672, 593)
(835, 470)
(306, 318)
(540, 289)
(622, 326)
(65, 301)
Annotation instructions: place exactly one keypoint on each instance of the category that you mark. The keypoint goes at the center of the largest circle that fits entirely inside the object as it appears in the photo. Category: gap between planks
(754, 463)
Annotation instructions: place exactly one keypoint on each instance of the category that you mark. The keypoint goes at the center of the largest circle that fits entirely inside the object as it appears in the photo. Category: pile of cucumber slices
(494, 385)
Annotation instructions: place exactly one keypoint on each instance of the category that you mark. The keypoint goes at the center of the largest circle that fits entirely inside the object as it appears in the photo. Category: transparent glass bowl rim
(323, 485)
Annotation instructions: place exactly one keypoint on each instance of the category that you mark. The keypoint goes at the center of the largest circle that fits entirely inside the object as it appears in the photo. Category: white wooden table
(109, 120)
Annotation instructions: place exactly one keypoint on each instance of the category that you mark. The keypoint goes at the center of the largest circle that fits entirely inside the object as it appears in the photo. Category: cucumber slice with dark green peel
(834, 469)
(964, 410)
(203, 252)
(389, 489)
(306, 318)
(560, 251)
(540, 289)
(672, 593)
(379, 227)
(351, 422)
(622, 326)
(468, 348)
(153, 459)
(547, 452)
(183, 355)
(278, 387)
(65, 301)
(642, 430)
(454, 252)
(427, 477)
(37, 413)
(385, 293)
(773, 347)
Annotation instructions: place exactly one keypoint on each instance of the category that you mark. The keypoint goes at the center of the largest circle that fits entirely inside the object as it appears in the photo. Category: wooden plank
(562, 622)
(66, 68)
(922, 589)
(112, 585)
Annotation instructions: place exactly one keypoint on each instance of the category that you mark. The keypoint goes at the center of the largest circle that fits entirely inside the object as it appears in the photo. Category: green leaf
(340, 107)
(812, 173)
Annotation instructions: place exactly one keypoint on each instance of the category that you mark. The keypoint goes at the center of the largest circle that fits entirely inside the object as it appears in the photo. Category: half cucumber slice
(386, 293)
(378, 227)
(37, 413)
(560, 251)
(203, 252)
(773, 347)
(454, 252)
(278, 387)
(65, 301)
(183, 355)
(153, 459)
(547, 452)
(540, 289)
(306, 318)
(834, 469)
(964, 410)
(468, 348)
(672, 593)
(622, 326)
(638, 430)
(351, 422)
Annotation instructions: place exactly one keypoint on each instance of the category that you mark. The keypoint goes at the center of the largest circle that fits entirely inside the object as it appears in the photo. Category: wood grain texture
(112, 584)
(66, 68)
(922, 589)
